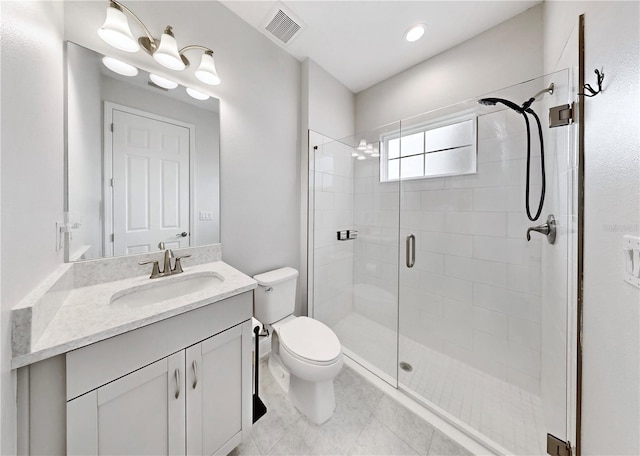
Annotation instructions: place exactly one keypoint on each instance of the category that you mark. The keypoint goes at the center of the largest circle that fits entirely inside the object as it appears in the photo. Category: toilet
(306, 354)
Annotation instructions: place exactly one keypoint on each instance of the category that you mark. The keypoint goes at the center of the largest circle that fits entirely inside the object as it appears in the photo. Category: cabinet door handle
(195, 373)
(177, 383)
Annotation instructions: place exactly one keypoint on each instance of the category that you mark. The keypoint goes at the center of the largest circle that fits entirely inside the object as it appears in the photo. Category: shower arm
(530, 101)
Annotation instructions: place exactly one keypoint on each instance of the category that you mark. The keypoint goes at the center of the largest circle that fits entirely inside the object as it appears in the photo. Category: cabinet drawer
(94, 365)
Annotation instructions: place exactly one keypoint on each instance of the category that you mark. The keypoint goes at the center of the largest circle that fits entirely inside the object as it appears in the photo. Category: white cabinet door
(142, 413)
(219, 391)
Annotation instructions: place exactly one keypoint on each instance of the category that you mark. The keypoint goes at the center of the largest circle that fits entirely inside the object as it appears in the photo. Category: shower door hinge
(557, 447)
(562, 115)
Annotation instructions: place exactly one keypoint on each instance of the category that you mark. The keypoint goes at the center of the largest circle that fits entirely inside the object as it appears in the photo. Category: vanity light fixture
(120, 67)
(415, 32)
(116, 32)
(197, 94)
(162, 82)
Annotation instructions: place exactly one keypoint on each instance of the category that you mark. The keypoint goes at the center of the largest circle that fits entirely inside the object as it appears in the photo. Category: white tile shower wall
(332, 185)
(474, 293)
(376, 215)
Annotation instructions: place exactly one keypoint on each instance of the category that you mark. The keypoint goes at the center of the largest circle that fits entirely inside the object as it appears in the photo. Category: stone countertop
(87, 316)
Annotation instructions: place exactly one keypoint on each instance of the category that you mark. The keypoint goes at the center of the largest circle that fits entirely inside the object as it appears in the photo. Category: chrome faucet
(167, 270)
(548, 229)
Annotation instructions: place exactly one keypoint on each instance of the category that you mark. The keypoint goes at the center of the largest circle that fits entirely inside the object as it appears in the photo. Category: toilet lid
(310, 339)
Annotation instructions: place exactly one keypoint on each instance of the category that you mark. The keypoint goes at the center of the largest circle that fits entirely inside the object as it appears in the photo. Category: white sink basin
(166, 288)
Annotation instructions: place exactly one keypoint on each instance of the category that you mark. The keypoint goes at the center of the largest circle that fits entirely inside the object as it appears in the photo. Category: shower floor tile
(508, 415)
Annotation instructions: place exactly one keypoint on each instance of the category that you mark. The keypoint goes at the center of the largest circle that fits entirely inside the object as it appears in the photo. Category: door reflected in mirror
(142, 161)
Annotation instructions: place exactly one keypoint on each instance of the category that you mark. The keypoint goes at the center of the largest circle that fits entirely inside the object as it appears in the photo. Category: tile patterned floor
(510, 416)
(366, 422)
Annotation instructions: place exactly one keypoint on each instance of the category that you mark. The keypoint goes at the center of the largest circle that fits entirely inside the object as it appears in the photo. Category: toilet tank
(275, 297)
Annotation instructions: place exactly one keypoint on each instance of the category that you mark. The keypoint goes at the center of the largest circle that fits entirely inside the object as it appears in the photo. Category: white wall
(502, 56)
(331, 106)
(32, 167)
(611, 370)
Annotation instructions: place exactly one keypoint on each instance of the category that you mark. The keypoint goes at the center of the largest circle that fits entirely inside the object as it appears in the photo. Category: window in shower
(434, 150)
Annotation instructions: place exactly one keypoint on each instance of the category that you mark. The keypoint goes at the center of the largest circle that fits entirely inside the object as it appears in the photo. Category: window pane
(393, 169)
(394, 148)
(412, 166)
(412, 144)
(453, 161)
(456, 135)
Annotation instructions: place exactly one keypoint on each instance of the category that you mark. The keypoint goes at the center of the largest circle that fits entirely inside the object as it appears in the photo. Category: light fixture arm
(116, 4)
(195, 46)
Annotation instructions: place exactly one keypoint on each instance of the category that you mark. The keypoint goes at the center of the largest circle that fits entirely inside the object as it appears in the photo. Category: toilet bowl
(306, 355)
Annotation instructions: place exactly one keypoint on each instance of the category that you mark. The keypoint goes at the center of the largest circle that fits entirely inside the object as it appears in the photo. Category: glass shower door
(355, 249)
(483, 313)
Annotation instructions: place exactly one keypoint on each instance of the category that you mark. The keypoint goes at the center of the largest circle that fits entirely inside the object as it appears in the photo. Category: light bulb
(415, 33)
(120, 67)
(206, 72)
(197, 94)
(167, 53)
(162, 82)
(116, 32)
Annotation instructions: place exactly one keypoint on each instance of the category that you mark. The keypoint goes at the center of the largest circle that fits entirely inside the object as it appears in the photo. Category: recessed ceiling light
(162, 82)
(118, 66)
(197, 94)
(415, 32)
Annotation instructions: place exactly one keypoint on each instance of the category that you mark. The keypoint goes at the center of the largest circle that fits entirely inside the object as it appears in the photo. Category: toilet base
(280, 374)
(315, 400)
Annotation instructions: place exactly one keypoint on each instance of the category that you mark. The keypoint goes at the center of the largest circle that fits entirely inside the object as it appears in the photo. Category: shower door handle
(410, 252)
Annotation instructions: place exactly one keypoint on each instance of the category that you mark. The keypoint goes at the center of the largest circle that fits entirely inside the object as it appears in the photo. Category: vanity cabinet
(195, 401)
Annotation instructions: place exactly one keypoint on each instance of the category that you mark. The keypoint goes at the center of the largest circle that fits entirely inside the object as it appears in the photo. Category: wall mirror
(142, 162)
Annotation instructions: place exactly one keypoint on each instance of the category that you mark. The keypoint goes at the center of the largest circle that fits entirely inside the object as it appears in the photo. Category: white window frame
(432, 125)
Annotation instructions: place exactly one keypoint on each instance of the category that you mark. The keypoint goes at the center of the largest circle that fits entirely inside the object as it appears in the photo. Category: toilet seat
(310, 341)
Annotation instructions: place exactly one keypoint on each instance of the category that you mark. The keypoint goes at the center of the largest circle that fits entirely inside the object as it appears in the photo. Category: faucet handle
(177, 267)
(548, 229)
(155, 271)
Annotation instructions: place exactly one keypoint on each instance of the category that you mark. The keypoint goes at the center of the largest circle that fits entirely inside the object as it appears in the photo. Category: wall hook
(588, 88)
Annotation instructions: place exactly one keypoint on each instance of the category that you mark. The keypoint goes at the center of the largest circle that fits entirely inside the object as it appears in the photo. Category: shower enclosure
(419, 262)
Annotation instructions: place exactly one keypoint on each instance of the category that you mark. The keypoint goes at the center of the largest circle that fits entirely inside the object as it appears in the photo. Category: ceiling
(362, 42)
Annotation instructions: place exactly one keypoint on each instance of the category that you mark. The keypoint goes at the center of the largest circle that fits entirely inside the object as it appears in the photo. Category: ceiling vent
(282, 25)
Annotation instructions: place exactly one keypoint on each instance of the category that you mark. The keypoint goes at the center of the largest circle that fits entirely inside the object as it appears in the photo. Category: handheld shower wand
(524, 110)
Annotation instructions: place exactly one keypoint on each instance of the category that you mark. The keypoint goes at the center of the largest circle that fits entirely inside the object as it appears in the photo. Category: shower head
(525, 106)
(494, 101)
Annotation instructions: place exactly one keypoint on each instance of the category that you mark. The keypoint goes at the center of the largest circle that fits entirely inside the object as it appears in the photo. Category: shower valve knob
(548, 229)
